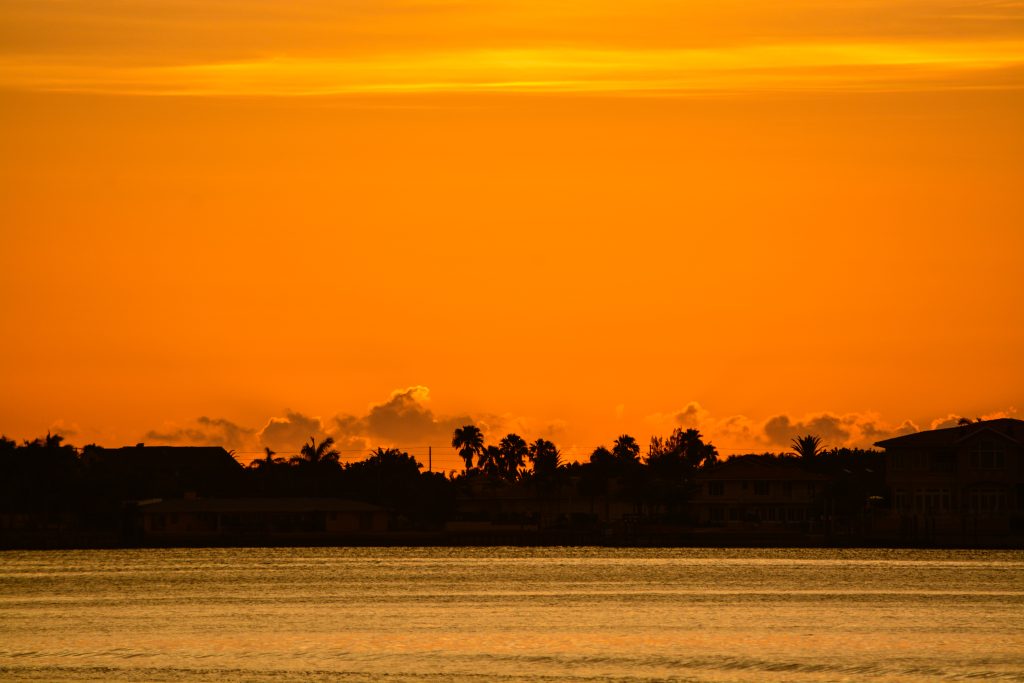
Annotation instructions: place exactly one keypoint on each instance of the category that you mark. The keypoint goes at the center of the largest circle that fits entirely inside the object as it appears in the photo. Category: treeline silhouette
(54, 482)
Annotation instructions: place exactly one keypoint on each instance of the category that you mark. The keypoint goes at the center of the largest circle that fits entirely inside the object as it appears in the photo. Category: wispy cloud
(805, 66)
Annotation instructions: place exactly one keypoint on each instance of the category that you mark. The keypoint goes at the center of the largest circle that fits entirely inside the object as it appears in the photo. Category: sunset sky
(246, 222)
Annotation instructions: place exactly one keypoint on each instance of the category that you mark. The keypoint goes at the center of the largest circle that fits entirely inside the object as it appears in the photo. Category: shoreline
(400, 540)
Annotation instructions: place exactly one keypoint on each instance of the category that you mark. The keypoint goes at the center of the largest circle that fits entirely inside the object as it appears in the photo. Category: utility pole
(430, 458)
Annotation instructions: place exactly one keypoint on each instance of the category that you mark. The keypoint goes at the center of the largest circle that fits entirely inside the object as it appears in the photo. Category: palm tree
(626, 449)
(268, 462)
(807, 447)
(513, 451)
(489, 460)
(470, 442)
(545, 457)
(314, 454)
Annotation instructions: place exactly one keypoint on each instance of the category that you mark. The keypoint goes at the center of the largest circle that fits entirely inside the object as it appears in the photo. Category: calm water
(511, 614)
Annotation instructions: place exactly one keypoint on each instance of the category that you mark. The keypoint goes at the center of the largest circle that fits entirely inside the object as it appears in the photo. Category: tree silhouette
(316, 455)
(626, 450)
(680, 454)
(470, 442)
(672, 462)
(602, 458)
(265, 464)
(513, 452)
(545, 458)
(489, 460)
(807, 447)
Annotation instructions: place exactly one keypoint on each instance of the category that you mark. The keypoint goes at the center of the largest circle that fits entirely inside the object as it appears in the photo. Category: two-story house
(958, 482)
(764, 493)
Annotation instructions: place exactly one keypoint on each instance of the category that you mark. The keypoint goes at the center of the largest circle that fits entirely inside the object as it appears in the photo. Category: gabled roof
(1007, 428)
(163, 457)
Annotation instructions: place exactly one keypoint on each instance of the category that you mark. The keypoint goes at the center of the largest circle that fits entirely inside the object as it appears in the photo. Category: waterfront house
(196, 518)
(141, 472)
(960, 483)
(758, 492)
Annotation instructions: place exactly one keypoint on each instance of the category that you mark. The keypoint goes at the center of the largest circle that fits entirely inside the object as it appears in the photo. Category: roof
(1006, 427)
(257, 505)
(197, 457)
(757, 470)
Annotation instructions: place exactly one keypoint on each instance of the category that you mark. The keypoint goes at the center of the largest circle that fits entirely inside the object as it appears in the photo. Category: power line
(450, 448)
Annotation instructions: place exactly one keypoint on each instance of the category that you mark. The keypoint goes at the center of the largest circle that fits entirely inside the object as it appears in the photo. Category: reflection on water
(510, 614)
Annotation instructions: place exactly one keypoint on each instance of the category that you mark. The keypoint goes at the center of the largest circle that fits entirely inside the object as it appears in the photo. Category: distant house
(762, 493)
(960, 481)
(198, 518)
(164, 471)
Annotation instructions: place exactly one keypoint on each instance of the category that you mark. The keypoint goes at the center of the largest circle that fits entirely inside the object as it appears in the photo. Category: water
(514, 614)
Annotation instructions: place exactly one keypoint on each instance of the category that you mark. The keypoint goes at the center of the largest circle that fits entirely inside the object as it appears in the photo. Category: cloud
(206, 431)
(953, 419)
(794, 65)
(831, 428)
(737, 433)
(849, 430)
(404, 419)
(68, 431)
(737, 429)
(287, 434)
(908, 427)
(693, 415)
(1009, 412)
(406, 416)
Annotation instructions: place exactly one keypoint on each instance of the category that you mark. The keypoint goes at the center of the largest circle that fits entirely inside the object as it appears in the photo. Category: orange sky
(376, 219)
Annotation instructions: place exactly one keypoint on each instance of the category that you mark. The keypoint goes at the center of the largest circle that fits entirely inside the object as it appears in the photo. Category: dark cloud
(403, 419)
(693, 415)
(781, 430)
(287, 434)
(207, 431)
(907, 427)
(64, 429)
(860, 430)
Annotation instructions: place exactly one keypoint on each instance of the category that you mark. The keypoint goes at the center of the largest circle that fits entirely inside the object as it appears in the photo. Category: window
(943, 462)
(787, 489)
(902, 500)
(717, 514)
(987, 500)
(716, 488)
(761, 488)
(911, 460)
(931, 500)
(987, 455)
